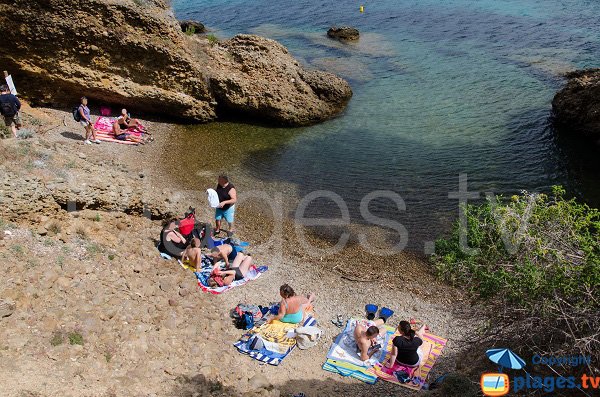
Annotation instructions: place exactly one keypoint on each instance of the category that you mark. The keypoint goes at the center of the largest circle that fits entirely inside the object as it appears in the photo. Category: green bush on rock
(539, 253)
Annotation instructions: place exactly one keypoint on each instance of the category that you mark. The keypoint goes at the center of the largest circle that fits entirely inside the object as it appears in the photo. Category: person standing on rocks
(227, 199)
(86, 122)
(9, 107)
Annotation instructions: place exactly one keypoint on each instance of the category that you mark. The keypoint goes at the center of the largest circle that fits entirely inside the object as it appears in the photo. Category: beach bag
(8, 109)
(256, 343)
(245, 315)
(186, 226)
(307, 337)
(76, 113)
(402, 376)
(244, 320)
(105, 111)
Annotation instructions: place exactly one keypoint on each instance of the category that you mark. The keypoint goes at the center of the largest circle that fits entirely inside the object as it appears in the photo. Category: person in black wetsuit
(406, 346)
(227, 199)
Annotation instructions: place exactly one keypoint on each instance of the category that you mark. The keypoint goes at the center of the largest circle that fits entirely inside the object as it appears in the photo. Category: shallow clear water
(439, 89)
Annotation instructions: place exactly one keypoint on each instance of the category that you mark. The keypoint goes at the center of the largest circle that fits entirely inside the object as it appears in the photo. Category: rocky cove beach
(307, 127)
(146, 329)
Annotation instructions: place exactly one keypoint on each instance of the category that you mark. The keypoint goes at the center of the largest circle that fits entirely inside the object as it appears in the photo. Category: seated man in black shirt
(405, 347)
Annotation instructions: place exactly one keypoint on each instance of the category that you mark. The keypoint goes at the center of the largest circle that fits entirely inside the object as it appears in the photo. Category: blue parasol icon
(505, 359)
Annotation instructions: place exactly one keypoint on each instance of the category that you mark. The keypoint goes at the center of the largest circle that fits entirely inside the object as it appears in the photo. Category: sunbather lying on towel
(406, 346)
(238, 270)
(224, 252)
(122, 124)
(292, 307)
(365, 336)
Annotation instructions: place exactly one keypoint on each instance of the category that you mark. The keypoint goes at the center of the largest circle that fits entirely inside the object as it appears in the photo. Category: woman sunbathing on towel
(126, 122)
(292, 306)
(406, 347)
(123, 123)
(238, 270)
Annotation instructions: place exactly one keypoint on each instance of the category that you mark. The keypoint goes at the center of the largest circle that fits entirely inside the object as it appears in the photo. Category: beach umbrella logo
(498, 384)
(505, 358)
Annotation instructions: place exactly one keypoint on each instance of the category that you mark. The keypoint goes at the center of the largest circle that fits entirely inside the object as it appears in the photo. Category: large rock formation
(259, 77)
(133, 53)
(577, 106)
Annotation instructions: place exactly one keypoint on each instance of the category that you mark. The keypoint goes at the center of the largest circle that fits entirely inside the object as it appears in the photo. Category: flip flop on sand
(385, 313)
(339, 321)
(371, 310)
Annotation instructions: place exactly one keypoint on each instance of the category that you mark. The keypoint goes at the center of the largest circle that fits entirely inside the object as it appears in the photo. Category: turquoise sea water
(440, 88)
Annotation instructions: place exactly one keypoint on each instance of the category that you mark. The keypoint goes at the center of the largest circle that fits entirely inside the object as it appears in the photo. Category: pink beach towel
(104, 131)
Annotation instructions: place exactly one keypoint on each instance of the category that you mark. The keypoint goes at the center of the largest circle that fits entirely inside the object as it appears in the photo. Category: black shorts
(238, 274)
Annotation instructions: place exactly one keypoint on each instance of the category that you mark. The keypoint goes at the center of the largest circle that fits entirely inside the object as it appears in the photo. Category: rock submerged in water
(137, 57)
(577, 106)
(194, 27)
(345, 33)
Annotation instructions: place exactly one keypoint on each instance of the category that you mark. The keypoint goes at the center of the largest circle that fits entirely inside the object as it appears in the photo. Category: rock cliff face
(258, 76)
(577, 105)
(133, 53)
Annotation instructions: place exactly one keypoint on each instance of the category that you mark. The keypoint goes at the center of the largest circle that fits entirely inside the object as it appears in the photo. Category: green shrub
(75, 338)
(57, 339)
(190, 30)
(539, 254)
(4, 132)
(25, 133)
(93, 248)
(528, 249)
(54, 228)
(212, 39)
(17, 249)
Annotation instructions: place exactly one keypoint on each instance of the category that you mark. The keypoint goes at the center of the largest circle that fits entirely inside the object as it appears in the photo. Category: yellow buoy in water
(362, 8)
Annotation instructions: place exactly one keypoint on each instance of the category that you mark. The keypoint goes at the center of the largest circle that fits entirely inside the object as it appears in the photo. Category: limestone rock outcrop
(344, 33)
(133, 53)
(577, 106)
(258, 77)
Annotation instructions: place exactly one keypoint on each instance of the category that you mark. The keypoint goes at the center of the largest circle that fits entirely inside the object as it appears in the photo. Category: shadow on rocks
(200, 386)
(72, 135)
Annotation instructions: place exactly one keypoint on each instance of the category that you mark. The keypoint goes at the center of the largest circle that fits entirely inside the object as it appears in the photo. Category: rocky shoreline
(135, 54)
(97, 308)
(576, 106)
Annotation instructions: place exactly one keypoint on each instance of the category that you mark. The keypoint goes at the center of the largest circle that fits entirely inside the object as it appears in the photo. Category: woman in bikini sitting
(237, 271)
(123, 123)
(292, 306)
(192, 256)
